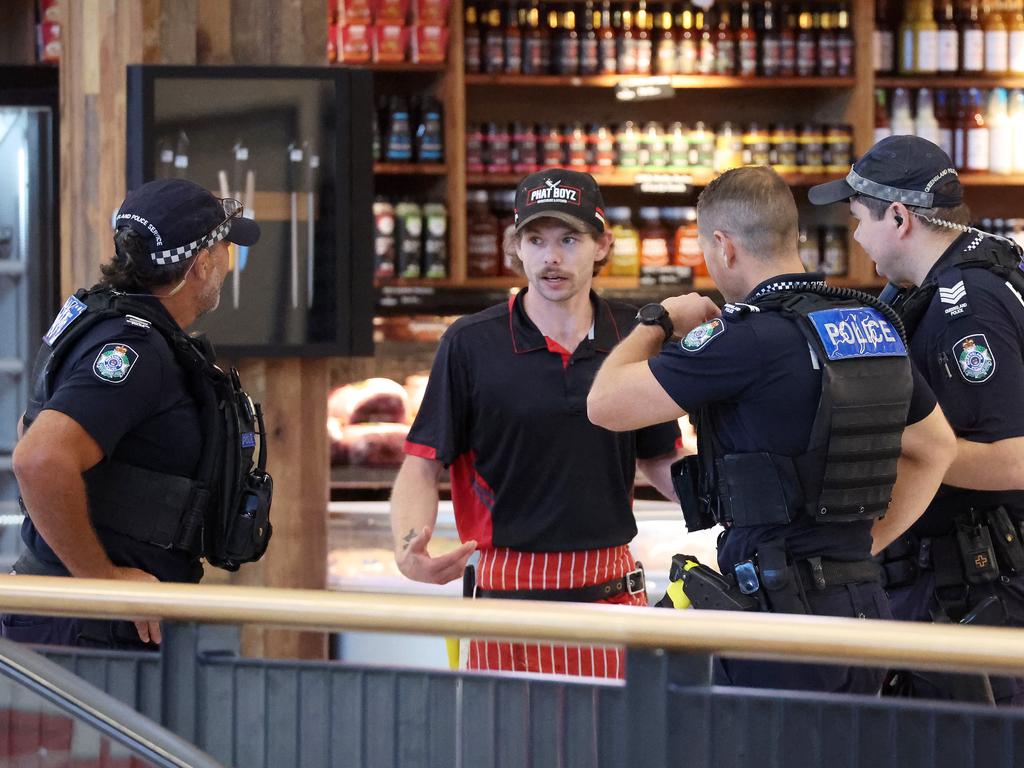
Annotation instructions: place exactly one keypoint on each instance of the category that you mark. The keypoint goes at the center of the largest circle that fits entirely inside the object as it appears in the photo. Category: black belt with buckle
(818, 574)
(632, 582)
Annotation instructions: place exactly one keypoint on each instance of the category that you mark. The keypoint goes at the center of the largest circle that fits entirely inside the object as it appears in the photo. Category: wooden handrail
(746, 635)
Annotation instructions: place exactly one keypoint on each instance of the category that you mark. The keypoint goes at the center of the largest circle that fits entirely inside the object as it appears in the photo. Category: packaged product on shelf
(389, 42)
(355, 12)
(523, 149)
(627, 43)
(552, 146)
(354, 44)
(472, 53)
(503, 205)
(972, 40)
(809, 249)
(926, 124)
(1000, 133)
(707, 55)
(565, 55)
(838, 148)
(746, 42)
(384, 239)
(944, 113)
(702, 147)
(687, 249)
(948, 38)
(977, 144)
(828, 45)
(811, 149)
(577, 147)
(725, 44)
(644, 40)
(51, 48)
(627, 140)
(431, 12)
(787, 42)
(429, 44)
(678, 146)
(654, 240)
(997, 41)
(515, 21)
(771, 40)
(590, 51)
(607, 43)
(429, 140)
(535, 44)
(390, 11)
(784, 148)
(834, 257)
(602, 148)
(625, 256)
(409, 239)
(492, 42)
(653, 148)
(482, 235)
(757, 145)
(435, 241)
(398, 147)
(675, 221)
(728, 148)
(883, 126)
(666, 58)
(1016, 45)
(806, 44)
(497, 156)
(844, 42)
(1017, 126)
(474, 149)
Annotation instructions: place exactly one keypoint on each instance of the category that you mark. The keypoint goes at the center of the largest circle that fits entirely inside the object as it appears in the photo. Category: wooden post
(102, 37)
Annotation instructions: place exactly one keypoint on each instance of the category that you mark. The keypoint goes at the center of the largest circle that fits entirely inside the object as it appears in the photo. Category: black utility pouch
(686, 481)
(249, 529)
(1006, 538)
(979, 557)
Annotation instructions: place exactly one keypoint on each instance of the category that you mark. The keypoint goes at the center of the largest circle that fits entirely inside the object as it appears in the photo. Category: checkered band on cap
(885, 192)
(186, 252)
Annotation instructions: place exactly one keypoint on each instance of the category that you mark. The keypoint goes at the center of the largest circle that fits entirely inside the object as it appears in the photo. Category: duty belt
(631, 583)
(819, 574)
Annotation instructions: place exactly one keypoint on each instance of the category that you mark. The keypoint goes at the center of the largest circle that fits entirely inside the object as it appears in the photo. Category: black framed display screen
(295, 146)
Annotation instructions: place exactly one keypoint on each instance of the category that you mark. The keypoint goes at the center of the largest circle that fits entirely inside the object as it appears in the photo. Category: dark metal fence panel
(133, 678)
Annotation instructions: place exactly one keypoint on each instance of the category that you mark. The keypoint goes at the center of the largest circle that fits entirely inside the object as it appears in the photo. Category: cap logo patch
(938, 177)
(114, 363)
(703, 335)
(974, 358)
(554, 192)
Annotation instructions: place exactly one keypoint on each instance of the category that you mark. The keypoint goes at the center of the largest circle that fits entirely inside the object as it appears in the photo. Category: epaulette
(738, 309)
(138, 322)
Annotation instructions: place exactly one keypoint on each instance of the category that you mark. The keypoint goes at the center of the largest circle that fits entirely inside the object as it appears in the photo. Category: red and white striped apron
(502, 568)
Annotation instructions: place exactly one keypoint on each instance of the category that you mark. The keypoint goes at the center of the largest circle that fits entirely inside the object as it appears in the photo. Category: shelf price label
(645, 89)
(663, 183)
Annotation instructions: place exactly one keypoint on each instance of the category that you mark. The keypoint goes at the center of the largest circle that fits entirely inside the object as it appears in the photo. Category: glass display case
(29, 223)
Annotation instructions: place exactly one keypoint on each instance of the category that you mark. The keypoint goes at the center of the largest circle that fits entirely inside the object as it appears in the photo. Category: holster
(976, 550)
(708, 589)
(779, 579)
(686, 479)
(1006, 539)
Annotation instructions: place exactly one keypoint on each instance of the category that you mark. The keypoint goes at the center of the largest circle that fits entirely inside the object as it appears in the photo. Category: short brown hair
(753, 205)
(510, 241)
(959, 215)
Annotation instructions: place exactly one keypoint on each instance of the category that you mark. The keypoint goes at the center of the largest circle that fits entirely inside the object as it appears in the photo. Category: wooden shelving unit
(624, 178)
(682, 82)
(953, 81)
(410, 169)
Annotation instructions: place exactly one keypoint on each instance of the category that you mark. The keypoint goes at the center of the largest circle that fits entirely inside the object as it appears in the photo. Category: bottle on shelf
(535, 42)
(515, 22)
(997, 40)
(654, 238)
(678, 139)
(725, 44)
(566, 55)
(972, 40)
(435, 241)
(977, 144)
(429, 140)
(1016, 111)
(728, 148)
(627, 141)
(687, 248)
(590, 58)
(811, 148)
(644, 23)
(602, 154)
(497, 148)
(482, 233)
(919, 49)
(474, 148)
(844, 41)
(384, 239)
(1000, 158)
(523, 149)
(702, 147)
(627, 53)
(883, 124)
(493, 42)
(688, 42)
(625, 255)
(653, 147)
(834, 257)
(787, 40)
(948, 38)
(959, 105)
(746, 42)
(828, 43)
(771, 40)
(666, 47)
(902, 117)
(607, 41)
(926, 124)
(708, 57)
(409, 240)
(398, 147)
(946, 118)
(577, 147)
(471, 41)
(784, 148)
(809, 248)
(1015, 28)
(806, 44)
(883, 40)
(552, 146)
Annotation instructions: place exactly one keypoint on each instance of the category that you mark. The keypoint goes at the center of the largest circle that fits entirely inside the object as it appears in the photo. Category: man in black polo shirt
(542, 493)
(800, 395)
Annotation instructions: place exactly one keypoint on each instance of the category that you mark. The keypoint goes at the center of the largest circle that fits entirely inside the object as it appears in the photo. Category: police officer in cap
(801, 394)
(113, 429)
(960, 293)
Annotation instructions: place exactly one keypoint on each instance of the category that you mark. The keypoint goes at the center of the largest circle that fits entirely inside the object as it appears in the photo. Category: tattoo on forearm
(409, 537)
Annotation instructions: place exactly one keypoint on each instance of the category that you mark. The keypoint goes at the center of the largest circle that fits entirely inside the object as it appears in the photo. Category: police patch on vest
(974, 358)
(70, 312)
(114, 362)
(852, 332)
(702, 335)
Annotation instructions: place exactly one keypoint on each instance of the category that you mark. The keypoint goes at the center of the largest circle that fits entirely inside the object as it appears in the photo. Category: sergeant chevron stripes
(952, 295)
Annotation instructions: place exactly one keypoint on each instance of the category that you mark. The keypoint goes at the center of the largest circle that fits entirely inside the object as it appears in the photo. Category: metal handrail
(111, 717)
(863, 642)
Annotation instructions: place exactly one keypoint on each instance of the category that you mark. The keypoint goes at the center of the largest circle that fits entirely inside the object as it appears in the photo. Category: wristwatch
(655, 314)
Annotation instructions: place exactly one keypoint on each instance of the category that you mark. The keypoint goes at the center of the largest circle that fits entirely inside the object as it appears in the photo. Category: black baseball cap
(560, 194)
(900, 169)
(178, 218)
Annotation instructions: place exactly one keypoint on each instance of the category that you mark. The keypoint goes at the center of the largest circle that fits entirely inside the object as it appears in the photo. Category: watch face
(651, 314)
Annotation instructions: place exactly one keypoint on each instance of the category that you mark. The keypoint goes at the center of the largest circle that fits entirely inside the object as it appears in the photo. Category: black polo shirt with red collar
(506, 409)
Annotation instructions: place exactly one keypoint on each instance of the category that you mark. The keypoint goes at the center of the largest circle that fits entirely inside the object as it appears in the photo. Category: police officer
(800, 394)
(113, 428)
(963, 308)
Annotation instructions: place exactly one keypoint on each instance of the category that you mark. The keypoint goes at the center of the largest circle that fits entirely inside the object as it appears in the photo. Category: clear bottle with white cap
(1000, 131)
(926, 125)
(902, 118)
(1017, 128)
(976, 134)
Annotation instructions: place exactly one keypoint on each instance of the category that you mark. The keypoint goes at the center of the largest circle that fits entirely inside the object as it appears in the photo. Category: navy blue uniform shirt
(506, 409)
(148, 419)
(969, 345)
(762, 386)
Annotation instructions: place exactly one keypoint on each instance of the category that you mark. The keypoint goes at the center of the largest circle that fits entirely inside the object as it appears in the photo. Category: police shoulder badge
(114, 362)
(702, 335)
(974, 358)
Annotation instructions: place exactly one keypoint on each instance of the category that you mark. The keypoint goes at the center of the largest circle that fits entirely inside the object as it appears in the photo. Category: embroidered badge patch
(974, 358)
(702, 335)
(114, 362)
(71, 311)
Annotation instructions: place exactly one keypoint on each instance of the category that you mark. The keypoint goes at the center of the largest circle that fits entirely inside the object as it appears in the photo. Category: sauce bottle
(607, 42)
(746, 42)
(590, 60)
(666, 57)
(534, 43)
(948, 37)
(471, 44)
(482, 256)
(644, 40)
(806, 44)
(625, 255)
(771, 41)
(725, 44)
(688, 43)
(972, 40)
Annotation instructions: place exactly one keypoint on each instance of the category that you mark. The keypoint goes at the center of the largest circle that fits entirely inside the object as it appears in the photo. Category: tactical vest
(998, 255)
(849, 467)
(222, 514)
